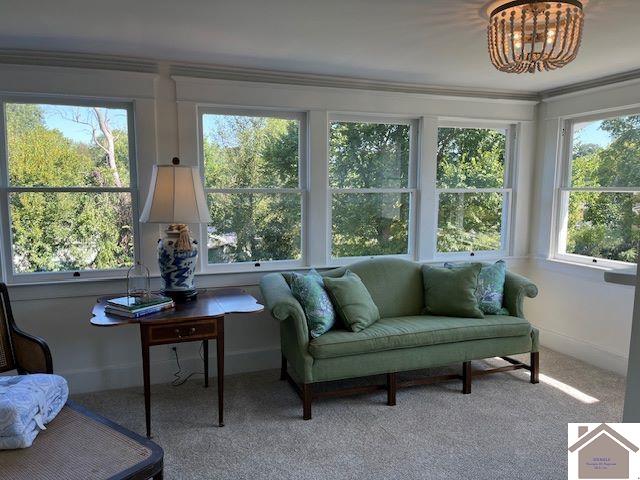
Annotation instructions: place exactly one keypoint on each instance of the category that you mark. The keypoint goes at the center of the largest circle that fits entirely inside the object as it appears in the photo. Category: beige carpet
(506, 429)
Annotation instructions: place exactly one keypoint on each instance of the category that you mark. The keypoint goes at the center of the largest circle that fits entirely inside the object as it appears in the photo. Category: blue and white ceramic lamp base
(177, 267)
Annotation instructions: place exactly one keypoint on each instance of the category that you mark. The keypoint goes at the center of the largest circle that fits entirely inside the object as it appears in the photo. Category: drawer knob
(193, 330)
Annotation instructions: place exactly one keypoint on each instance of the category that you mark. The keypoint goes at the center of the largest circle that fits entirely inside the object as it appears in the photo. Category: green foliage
(58, 231)
(606, 224)
(369, 155)
(470, 158)
(253, 152)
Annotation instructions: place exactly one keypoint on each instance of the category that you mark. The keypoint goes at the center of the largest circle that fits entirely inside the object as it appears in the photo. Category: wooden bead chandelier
(525, 36)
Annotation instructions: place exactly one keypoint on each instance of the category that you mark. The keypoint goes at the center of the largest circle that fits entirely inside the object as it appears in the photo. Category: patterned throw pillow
(309, 291)
(490, 289)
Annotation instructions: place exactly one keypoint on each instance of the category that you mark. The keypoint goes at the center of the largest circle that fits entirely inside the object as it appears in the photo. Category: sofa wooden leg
(535, 367)
(283, 368)
(306, 401)
(466, 378)
(392, 386)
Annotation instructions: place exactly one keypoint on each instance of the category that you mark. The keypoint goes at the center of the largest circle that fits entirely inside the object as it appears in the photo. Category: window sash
(411, 241)
(506, 190)
(410, 189)
(13, 277)
(253, 266)
(505, 224)
(563, 188)
(563, 225)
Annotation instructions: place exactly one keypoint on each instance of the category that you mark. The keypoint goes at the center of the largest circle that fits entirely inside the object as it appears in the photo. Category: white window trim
(411, 189)
(563, 188)
(303, 155)
(12, 277)
(508, 192)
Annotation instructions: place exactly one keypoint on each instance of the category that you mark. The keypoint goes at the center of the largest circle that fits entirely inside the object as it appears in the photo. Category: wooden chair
(19, 350)
(77, 444)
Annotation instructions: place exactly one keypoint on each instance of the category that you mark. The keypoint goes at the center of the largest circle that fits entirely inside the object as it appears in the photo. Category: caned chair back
(19, 350)
(7, 360)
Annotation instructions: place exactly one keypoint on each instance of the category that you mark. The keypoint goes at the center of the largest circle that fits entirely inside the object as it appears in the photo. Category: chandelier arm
(543, 53)
(573, 47)
(555, 38)
(523, 30)
(565, 45)
(513, 43)
(532, 53)
(492, 44)
(503, 29)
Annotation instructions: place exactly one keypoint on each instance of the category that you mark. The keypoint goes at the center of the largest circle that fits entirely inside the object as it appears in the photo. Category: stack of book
(134, 307)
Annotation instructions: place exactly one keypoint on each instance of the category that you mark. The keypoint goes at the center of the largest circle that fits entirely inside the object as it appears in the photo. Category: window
(372, 187)
(473, 190)
(599, 196)
(70, 192)
(254, 185)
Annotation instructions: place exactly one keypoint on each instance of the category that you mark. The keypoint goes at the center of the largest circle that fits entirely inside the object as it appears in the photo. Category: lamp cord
(179, 379)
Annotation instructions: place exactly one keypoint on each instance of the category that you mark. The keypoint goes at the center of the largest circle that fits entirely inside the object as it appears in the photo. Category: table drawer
(182, 332)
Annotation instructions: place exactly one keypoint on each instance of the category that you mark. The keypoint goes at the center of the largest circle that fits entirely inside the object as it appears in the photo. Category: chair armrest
(516, 287)
(32, 353)
(283, 305)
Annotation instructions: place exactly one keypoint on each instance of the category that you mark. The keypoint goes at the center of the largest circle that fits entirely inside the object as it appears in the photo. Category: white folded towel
(27, 404)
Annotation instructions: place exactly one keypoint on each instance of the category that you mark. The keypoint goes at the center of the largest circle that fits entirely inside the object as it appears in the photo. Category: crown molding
(195, 70)
(77, 60)
(304, 79)
(132, 64)
(587, 85)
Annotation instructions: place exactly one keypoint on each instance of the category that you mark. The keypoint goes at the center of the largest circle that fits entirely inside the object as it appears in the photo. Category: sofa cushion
(451, 292)
(309, 291)
(395, 285)
(490, 289)
(352, 301)
(414, 331)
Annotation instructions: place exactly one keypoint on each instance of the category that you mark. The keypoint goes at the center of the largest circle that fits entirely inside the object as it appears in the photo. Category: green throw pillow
(451, 292)
(490, 286)
(309, 291)
(352, 301)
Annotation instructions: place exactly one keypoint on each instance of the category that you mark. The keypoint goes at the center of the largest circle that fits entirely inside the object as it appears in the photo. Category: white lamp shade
(175, 196)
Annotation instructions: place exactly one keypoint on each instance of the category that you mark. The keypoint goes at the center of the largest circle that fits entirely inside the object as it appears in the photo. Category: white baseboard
(130, 375)
(585, 351)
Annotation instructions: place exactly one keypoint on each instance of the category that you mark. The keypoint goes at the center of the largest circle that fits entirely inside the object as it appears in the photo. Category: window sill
(96, 287)
(594, 273)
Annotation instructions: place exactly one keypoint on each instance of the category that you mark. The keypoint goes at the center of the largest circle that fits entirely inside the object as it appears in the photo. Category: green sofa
(403, 339)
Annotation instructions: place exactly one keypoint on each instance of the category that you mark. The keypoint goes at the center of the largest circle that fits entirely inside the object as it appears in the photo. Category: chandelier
(525, 36)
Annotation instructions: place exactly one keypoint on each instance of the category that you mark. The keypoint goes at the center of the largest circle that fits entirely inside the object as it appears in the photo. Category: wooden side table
(200, 320)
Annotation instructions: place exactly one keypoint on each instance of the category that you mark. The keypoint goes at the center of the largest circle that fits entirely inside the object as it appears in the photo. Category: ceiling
(429, 42)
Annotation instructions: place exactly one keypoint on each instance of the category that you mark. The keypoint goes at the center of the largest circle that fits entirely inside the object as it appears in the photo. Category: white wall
(94, 358)
(576, 311)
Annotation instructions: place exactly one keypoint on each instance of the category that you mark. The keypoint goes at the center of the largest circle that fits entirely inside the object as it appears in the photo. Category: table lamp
(176, 198)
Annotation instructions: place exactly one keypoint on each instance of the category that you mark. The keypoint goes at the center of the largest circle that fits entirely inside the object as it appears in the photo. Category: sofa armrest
(516, 287)
(283, 305)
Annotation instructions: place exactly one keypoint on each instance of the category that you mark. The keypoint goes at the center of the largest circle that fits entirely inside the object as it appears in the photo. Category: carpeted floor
(506, 429)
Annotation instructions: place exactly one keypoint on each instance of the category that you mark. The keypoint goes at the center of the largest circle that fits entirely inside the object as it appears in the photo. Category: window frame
(302, 190)
(562, 190)
(511, 142)
(12, 277)
(411, 188)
